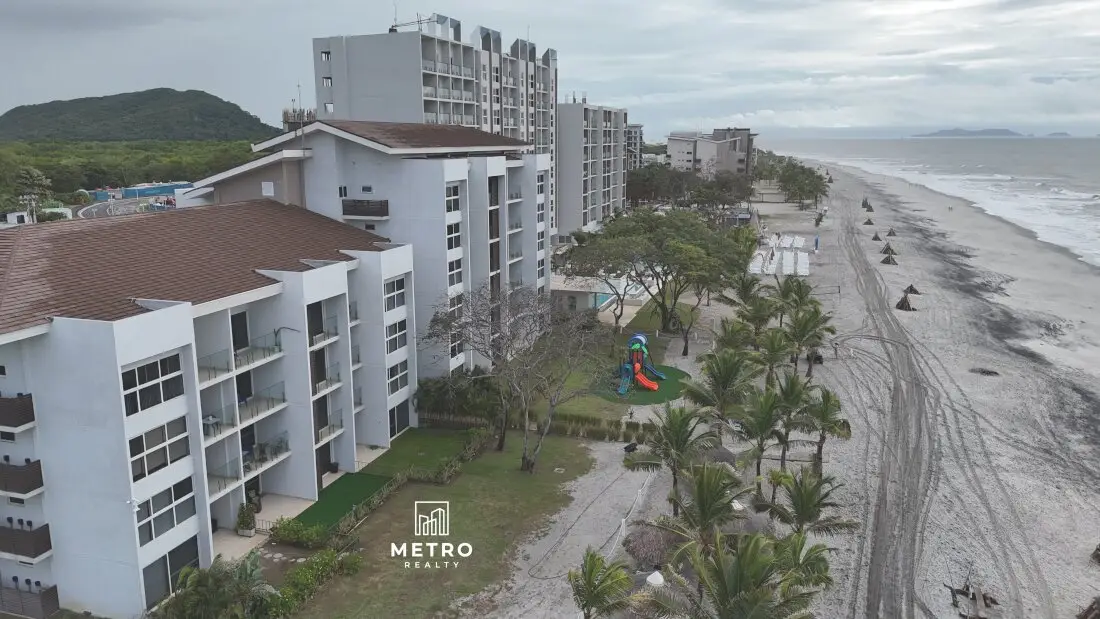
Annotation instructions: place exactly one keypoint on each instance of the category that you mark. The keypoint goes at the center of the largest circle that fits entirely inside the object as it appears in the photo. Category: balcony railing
(444, 119)
(20, 538)
(515, 225)
(467, 72)
(456, 70)
(430, 118)
(467, 96)
(443, 93)
(333, 424)
(353, 311)
(214, 422)
(327, 332)
(17, 411)
(330, 378)
(259, 348)
(515, 255)
(429, 91)
(263, 452)
(355, 358)
(223, 476)
(21, 479)
(429, 65)
(366, 208)
(468, 120)
(263, 401)
(215, 364)
(28, 598)
(357, 398)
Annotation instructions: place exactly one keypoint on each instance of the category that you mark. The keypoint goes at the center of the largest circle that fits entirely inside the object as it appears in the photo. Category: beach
(953, 470)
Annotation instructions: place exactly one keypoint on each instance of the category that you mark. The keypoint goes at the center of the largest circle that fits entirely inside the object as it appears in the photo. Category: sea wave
(1063, 217)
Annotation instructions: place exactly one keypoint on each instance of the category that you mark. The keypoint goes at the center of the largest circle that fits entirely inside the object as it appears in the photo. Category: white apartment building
(724, 149)
(432, 76)
(592, 163)
(161, 369)
(472, 204)
(635, 140)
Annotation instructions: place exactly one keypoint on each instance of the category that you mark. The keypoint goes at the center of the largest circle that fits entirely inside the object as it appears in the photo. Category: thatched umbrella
(876, 237)
(904, 305)
(889, 250)
(891, 233)
(870, 209)
(648, 545)
(889, 260)
(911, 289)
(868, 222)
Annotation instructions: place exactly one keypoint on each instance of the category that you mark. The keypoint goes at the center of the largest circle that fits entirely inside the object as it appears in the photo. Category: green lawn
(338, 499)
(418, 447)
(493, 506)
(648, 321)
(667, 390)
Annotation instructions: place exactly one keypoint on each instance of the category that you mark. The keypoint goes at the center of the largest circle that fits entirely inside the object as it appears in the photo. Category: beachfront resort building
(472, 204)
(635, 140)
(728, 150)
(430, 75)
(592, 164)
(161, 369)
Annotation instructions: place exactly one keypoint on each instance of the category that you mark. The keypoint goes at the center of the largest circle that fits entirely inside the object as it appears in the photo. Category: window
(456, 337)
(7, 437)
(452, 198)
(542, 240)
(326, 56)
(367, 189)
(267, 189)
(3, 371)
(399, 418)
(542, 183)
(398, 377)
(395, 294)
(396, 336)
(150, 384)
(165, 510)
(157, 448)
(14, 501)
(454, 236)
(329, 107)
(454, 272)
(161, 577)
(542, 290)
(496, 98)
(343, 191)
(542, 268)
(326, 82)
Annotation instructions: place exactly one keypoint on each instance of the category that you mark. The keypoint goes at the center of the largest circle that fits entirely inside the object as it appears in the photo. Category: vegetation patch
(667, 390)
(648, 319)
(340, 497)
(418, 448)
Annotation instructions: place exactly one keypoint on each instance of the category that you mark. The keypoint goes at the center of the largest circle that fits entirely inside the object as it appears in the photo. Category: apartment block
(635, 140)
(432, 76)
(472, 204)
(592, 161)
(162, 369)
(728, 150)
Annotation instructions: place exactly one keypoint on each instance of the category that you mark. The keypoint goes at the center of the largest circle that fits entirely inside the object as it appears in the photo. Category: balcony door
(238, 323)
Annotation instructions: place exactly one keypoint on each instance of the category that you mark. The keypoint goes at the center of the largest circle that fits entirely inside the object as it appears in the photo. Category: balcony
(514, 196)
(429, 91)
(215, 365)
(442, 93)
(16, 414)
(326, 333)
(515, 226)
(28, 599)
(366, 208)
(430, 118)
(328, 380)
(356, 359)
(468, 120)
(259, 349)
(263, 402)
(222, 477)
(444, 119)
(467, 96)
(357, 400)
(264, 454)
(334, 424)
(429, 65)
(216, 422)
(467, 72)
(21, 479)
(353, 312)
(456, 70)
(21, 539)
(514, 256)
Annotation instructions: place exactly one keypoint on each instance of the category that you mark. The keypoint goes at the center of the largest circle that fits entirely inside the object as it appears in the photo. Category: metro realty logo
(431, 519)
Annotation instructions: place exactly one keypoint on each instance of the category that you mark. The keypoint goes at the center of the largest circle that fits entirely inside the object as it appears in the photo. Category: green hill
(158, 114)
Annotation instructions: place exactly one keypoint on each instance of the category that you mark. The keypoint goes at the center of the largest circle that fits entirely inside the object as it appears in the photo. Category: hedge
(305, 579)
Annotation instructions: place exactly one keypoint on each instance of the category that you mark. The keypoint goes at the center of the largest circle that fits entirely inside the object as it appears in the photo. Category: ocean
(1048, 185)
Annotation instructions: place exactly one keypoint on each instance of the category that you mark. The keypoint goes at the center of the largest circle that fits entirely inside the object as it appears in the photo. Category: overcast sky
(676, 64)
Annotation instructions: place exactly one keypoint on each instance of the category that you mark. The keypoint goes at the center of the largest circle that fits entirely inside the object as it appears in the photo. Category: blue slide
(652, 370)
(627, 377)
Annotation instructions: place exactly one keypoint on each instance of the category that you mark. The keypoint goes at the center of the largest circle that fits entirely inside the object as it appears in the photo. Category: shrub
(597, 434)
(293, 532)
(632, 426)
(614, 429)
(246, 517)
(304, 580)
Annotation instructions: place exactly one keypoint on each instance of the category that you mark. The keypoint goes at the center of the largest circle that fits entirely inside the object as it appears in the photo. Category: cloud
(684, 64)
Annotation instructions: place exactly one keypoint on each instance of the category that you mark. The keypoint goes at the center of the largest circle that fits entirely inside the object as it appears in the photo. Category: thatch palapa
(889, 260)
(876, 237)
(870, 209)
(891, 233)
(904, 305)
(868, 222)
(889, 250)
(911, 289)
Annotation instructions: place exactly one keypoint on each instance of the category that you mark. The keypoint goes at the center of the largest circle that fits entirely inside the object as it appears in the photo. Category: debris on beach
(985, 371)
(868, 222)
(876, 237)
(973, 603)
(911, 289)
(889, 259)
(891, 233)
(904, 305)
(889, 251)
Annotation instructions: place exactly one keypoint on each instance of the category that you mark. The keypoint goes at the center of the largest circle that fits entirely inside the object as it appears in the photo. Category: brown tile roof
(92, 268)
(421, 135)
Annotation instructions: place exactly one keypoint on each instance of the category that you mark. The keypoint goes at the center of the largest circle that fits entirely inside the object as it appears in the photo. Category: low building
(727, 150)
(635, 140)
(161, 369)
(592, 162)
(473, 204)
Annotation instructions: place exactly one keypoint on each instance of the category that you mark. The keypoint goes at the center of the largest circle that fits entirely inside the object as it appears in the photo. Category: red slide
(641, 378)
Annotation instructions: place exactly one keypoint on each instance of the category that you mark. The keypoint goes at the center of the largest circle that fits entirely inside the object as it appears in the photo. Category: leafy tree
(600, 589)
(807, 331)
(225, 590)
(677, 442)
(726, 377)
(465, 393)
(824, 415)
(758, 423)
(806, 499)
(603, 258)
(33, 189)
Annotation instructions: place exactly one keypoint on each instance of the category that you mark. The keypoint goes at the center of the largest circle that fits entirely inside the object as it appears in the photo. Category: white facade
(722, 150)
(592, 162)
(149, 429)
(471, 217)
(635, 140)
(433, 76)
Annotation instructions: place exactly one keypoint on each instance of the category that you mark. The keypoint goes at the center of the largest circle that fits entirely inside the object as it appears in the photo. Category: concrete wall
(570, 170)
(374, 77)
(285, 178)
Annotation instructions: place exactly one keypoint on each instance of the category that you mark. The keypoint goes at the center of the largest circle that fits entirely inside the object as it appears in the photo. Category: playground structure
(637, 365)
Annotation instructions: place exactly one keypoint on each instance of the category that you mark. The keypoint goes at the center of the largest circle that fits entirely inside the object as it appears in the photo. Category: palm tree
(676, 443)
(758, 313)
(734, 334)
(758, 423)
(727, 375)
(600, 588)
(794, 396)
(824, 415)
(793, 295)
(708, 506)
(745, 582)
(804, 565)
(806, 499)
(225, 590)
(745, 288)
(774, 354)
(807, 330)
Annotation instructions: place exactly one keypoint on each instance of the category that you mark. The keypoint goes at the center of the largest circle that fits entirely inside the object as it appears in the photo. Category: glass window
(398, 377)
(454, 236)
(154, 382)
(165, 510)
(395, 294)
(454, 272)
(396, 336)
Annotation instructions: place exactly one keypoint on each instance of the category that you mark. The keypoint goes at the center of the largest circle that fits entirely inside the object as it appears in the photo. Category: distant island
(971, 133)
(1059, 134)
